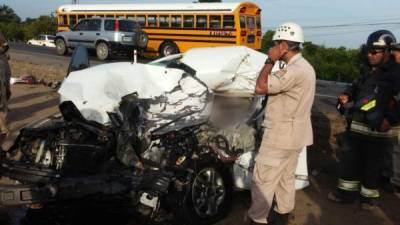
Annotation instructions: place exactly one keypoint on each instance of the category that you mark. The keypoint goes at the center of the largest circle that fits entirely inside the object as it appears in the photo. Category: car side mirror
(79, 60)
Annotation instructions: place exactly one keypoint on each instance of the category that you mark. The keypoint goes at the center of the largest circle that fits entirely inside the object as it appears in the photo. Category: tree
(267, 42)
(7, 15)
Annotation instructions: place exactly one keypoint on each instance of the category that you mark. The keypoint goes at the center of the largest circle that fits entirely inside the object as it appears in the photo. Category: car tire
(141, 40)
(209, 196)
(61, 47)
(168, 48)
(102, 51)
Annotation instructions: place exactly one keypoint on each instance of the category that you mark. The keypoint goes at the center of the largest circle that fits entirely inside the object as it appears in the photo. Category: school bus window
(110, 16)
(132, 17)
(258, 22)
(81, 17)
(229, 22)
(201, 21)
(62, 20)
(188, 21)
(72, 20)
(242, 22)
(176, 21)
(250, 22)
(215, 22)
(141, 20)
(152, 21)
(164, 21)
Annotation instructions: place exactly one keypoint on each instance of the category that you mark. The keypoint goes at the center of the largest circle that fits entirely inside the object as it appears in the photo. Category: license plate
(127, 39)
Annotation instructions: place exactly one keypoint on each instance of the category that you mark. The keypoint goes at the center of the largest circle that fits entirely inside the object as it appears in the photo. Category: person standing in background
(5, 93)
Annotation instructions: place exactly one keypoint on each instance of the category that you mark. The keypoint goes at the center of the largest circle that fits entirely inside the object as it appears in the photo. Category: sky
(331, 23)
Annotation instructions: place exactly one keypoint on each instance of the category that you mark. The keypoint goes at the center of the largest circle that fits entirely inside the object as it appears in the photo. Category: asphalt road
(48, 55)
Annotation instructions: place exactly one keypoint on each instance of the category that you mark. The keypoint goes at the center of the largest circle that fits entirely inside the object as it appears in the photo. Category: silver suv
(107, 36)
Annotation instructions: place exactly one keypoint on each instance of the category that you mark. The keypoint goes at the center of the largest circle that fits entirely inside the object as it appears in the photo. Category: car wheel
(102, 51)
(168, 48)
(61, 47)
(209, 196)
(141, 40)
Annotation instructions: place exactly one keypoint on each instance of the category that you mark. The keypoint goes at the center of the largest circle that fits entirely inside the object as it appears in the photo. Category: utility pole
(75, 1)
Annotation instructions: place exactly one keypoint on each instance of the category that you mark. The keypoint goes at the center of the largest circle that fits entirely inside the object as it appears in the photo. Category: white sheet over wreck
(228, 70)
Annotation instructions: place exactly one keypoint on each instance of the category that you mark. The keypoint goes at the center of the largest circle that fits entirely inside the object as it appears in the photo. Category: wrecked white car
(177, 134)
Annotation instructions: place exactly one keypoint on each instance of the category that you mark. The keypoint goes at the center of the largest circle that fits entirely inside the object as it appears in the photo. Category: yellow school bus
(174, 28)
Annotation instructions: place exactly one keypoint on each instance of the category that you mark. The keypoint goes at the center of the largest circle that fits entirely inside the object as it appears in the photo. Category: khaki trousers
(273, 176)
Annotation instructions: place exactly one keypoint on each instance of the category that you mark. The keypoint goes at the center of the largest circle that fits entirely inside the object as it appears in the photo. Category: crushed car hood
(231, 71)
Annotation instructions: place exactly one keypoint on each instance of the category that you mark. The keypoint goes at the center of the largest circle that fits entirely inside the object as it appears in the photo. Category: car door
(76, 36)
(91, 33)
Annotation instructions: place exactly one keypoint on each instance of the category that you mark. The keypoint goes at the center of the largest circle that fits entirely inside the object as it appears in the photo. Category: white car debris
(230, 72)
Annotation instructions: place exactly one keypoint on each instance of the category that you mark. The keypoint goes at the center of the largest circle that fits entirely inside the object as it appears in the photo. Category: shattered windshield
(164, 62)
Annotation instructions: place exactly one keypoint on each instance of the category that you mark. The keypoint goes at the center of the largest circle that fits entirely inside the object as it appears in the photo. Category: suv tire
(168, 48)
(141, 40)
(102, 51)
(61, 47)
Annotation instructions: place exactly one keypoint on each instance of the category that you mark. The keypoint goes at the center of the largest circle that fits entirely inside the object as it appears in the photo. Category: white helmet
(289, 32)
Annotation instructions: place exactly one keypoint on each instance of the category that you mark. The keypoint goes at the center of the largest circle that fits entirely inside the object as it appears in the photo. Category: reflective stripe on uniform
(364, 129)
(348, 185)
(368, 106)
(369, 193)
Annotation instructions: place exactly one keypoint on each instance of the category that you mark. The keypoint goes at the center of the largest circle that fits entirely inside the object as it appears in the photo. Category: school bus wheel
(168, 48)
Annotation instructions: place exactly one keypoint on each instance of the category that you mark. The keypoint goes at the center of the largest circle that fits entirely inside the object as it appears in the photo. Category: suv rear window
(124, 25)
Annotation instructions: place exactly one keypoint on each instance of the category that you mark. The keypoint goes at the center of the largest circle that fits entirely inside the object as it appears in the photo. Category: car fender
(63, 36)
(102, 39)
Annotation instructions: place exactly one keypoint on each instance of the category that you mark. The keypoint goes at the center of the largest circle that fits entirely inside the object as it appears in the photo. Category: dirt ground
(32, 102)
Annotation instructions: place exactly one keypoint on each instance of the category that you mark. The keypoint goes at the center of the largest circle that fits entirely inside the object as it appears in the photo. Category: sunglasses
(375, 51)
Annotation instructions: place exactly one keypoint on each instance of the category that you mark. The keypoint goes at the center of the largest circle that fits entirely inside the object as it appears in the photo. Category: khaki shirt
(288, 113)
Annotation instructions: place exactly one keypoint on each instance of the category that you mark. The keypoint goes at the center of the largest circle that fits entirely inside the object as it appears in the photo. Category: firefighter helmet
(289, 32)
(380, 39)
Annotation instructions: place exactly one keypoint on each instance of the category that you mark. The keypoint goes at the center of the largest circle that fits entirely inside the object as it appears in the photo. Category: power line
(350, 25)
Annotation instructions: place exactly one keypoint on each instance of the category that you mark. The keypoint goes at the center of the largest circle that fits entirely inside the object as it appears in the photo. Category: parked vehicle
(43, 40)
(177, 135)
(107, 36)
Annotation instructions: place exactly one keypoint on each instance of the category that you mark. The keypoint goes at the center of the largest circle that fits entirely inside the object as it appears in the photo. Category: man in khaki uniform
(287, 126)
(5, 74)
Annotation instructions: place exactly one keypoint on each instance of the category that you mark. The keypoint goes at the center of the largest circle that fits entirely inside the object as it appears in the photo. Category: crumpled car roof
(230, 71)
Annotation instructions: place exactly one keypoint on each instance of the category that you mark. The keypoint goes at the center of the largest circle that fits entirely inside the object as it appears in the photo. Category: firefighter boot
(343, 197)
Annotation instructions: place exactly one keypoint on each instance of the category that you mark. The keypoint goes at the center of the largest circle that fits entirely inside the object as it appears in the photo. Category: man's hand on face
(343, 99)
(273, 53)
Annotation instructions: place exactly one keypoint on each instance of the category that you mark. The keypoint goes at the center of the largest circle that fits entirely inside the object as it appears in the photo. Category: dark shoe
(342, 197)
(368, 203)
(282, 219)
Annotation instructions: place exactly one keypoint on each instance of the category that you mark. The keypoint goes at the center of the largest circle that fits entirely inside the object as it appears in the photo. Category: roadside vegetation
(337, 64)
(17, 30)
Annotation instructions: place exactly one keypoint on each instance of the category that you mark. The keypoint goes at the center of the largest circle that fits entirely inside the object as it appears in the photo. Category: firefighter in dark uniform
(396, 150)
(370, 130)
(5, 93)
